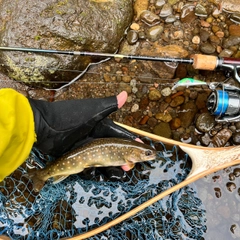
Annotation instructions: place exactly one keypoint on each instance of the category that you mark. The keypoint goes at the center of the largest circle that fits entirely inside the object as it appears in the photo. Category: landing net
(79, 204)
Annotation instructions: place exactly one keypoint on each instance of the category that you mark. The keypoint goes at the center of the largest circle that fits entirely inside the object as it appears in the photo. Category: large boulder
(79, 25)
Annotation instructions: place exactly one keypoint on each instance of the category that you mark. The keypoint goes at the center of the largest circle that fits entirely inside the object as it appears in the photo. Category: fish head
(141, 155)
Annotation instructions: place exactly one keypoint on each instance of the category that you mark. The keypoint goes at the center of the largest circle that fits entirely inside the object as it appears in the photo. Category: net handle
(195, 174)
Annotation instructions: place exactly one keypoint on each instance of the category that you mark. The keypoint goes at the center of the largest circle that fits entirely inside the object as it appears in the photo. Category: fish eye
(148, 153)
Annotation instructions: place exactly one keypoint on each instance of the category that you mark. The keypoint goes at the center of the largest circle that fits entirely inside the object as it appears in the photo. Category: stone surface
(64, 25)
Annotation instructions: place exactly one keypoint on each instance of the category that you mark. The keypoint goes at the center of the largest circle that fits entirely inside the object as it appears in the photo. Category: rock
(177, 101)
(132, 37)
(71, 25)
(187, 113)
(166, 91)
(135, 107)
(221, 138)
(234, 30)
(166, 10)
(164, 117)
(154, 32)
(201, 101)
(154, 95)
(187, 13)
(159, 4)
(236, 138)
(175, 123)
(205, 122)
(207, 48)
(163, 129)
(204, 35)
(231, 41)
(162, 69)
(150, 17)
(201, 11)
(231, 5)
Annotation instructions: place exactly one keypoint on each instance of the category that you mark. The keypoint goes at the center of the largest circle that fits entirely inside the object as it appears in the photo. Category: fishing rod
(198, 61)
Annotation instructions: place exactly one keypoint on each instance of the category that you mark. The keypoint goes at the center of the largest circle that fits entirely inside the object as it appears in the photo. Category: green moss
(37, 38)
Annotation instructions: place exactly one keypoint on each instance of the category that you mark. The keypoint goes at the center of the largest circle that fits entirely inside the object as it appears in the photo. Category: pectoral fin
(59, 178)
(128, 166)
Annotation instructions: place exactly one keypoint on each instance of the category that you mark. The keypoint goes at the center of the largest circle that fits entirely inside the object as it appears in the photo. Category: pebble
(154, 33)
(163, 129)
(140, 6)
(154, 95)
(177, 101)
(207, 48)
(166, 10)
(135, 108)
(165, 117)
(221, 138)
(166, 92)
(132, 37)
(205, 122)
(135, 26)
(196, 40)
(149, 17)
(187, 113)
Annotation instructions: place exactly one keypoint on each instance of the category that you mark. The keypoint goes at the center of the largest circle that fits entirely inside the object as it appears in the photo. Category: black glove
(65, 125)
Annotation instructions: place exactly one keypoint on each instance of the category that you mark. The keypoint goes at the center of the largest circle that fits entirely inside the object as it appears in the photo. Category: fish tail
(38, 183)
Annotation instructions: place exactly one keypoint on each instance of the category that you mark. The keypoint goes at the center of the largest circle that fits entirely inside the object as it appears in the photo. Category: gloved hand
(65, 125)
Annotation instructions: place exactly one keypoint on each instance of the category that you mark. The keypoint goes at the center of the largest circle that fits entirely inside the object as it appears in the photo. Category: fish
(186, 82)
(101, 152)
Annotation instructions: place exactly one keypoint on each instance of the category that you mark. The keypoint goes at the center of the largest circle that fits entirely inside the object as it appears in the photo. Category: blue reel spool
(222, 100)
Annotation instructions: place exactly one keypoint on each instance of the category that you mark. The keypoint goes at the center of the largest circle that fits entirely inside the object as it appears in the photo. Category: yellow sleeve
(16, 130)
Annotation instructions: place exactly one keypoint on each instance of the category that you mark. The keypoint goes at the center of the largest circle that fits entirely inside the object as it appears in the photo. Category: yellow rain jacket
(16, 130)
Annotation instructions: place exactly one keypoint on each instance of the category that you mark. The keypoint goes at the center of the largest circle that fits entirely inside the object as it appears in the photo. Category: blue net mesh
(77, 205)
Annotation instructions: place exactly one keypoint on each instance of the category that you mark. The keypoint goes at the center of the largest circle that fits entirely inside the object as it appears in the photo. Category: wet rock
(140, 6)
(205, 139)
(177, 101)
(170, 19)
(236, 138)
(200, 11)
(159, 4)
(175, 123)
(205, 122)
(231, 41)
(71, 25)
(231, 5)
(235, 17)
(135, 107)
(181, 71)
(166, 91)
(172, 2)
(196, 40)
(154, 33)
(234, 30)
(132, 37)
(154, 95)
(187, 13)
(204, 35)
(164, 117)
(166, 10)
(149, 17)
(207, 48)
(163, 129)
(187, 113)
(226, 53)
(152, 122)
(221, 138)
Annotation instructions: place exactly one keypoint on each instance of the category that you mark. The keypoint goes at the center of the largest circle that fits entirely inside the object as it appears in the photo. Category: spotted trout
(102, 152)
